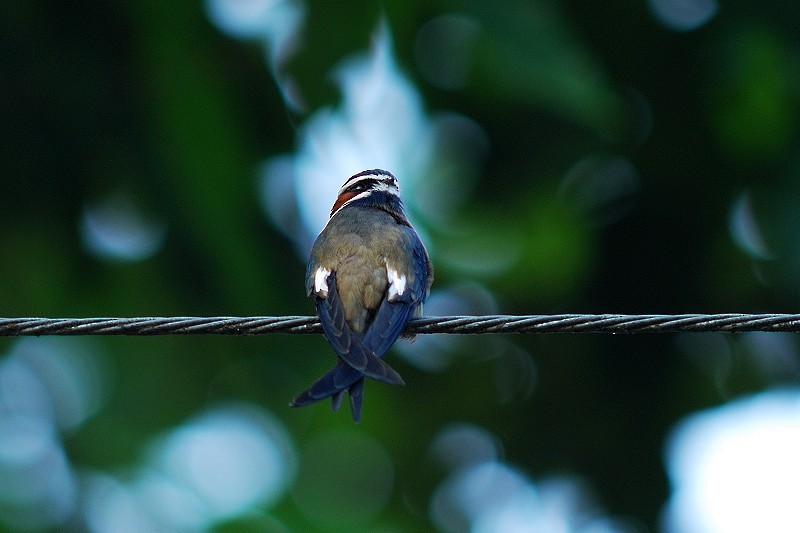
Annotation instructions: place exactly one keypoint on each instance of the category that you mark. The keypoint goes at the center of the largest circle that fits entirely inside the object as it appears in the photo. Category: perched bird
(369, 274)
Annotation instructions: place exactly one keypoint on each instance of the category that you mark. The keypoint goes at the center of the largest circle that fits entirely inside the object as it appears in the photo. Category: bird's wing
(346, 343)
(391, 317)
(389, 322)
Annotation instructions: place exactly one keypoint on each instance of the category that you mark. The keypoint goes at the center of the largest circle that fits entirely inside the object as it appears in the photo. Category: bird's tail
(365, 362)
(349, 345)
(339, 379)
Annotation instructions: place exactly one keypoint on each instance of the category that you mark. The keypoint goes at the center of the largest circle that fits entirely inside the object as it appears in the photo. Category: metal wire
(575, 323)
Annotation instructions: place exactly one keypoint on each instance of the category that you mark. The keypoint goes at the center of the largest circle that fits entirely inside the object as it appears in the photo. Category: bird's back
(360, 242)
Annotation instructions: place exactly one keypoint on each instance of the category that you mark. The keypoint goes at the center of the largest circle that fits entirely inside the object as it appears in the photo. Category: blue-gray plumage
(369, 274)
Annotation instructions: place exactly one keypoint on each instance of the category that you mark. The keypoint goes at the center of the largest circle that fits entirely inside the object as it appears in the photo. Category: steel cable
(464, 325)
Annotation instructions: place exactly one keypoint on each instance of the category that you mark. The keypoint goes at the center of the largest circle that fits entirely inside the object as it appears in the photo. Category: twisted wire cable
(463, 325)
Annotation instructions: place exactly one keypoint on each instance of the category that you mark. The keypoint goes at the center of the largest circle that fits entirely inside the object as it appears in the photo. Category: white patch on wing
(321, 282)
(397, 283)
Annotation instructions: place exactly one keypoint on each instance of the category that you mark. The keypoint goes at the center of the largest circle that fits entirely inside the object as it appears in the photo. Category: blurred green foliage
(150, 99)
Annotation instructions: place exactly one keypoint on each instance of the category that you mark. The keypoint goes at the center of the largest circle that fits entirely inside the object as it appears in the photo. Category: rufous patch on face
(342, 199)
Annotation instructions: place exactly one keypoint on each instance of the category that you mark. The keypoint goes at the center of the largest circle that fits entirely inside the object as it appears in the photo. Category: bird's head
(370, 187)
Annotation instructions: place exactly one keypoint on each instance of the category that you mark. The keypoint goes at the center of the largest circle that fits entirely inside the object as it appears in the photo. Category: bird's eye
(362, 186)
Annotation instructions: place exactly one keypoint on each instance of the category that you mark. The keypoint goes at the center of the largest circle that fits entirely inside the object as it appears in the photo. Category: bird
(369, 274)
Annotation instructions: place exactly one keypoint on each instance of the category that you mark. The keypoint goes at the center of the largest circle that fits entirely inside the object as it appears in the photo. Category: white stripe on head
(384, 181)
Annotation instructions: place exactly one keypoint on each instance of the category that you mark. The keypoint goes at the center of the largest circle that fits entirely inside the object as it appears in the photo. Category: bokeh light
(226, 462)
(113, 505)
(47, 386)
(232, 458)
(735, 468)
(380, 124)
(116, 229)
(484, 494)
(745, 229)
(683, 15)
(460, 444)
(277, 23)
